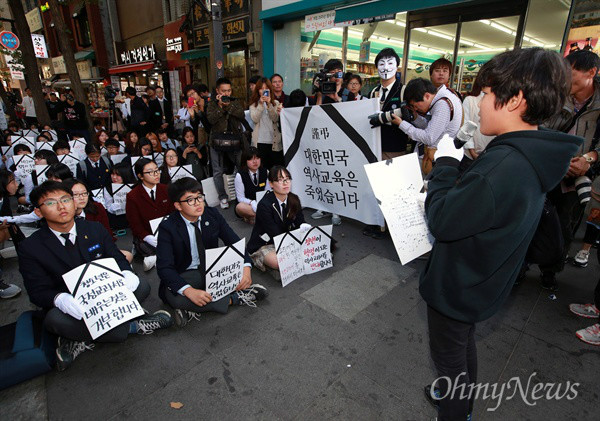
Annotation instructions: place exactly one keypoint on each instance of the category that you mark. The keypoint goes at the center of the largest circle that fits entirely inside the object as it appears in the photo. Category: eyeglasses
(84, 194)
(284, 180)
(354, 84)
(152, 172)
(191, 201)
(65, 200)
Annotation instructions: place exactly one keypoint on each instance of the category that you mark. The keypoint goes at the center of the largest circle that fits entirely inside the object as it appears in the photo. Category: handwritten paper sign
(40, 173)
(211, 197)
(118, 158)
(6, 151)
(302, 253)
(158, 158)
(398, 202)
(100, 290)
(224, 269)
(154, 223)
(98, 196)
(319, 21)
(180, 172)
(44, 145)
(70, 161)
(24, 163)
(78, 148)
(119, 196)
(25, 140)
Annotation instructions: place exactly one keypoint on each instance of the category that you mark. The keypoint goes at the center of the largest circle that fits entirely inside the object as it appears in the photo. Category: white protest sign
(118, 158)
(158, 158)
(70, 161)
(211, 197)
(119, 196)
(302, 253)
(30, 133)
(319, 21)
(24, 163)
(260, 195)
(224, 269)
(44, 145)
(326, 148)
(40, 173)
(404, 215)
(180, 172)
(103, 150)
(98, 196)
(100, 290)
(154, 223)
(6, 151)
(24, 140)
(78, 148)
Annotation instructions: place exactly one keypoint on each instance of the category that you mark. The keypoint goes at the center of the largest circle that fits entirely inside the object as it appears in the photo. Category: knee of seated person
(143, 290)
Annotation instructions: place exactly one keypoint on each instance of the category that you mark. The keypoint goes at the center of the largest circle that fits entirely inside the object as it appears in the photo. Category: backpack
(547, 244)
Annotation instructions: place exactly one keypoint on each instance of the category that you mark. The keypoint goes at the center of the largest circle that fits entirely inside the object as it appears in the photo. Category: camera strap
(447, 101)
(577, 115)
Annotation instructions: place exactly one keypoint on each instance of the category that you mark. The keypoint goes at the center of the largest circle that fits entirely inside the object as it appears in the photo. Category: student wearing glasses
(181, 264)
(279, 211)
(61, 245)
(146, 201)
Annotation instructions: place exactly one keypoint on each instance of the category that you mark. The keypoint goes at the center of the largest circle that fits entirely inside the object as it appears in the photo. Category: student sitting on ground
(94, 171)
(147, 201)
(121, 173)
(29, 181)
(251, 179)
(61, 245)
(171, 160)
(192, 153)
(278, 212)
(181, 262)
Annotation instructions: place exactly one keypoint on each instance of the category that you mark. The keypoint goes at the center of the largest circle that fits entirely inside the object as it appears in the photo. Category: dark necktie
(383, 94)
(283, 211)
(152, 195)
(68, 243)
(255, 180)
(96, 165)
(200, 245)
(76, 218)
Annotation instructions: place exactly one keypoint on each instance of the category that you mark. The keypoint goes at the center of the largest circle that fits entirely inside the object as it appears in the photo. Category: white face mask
(386, 67)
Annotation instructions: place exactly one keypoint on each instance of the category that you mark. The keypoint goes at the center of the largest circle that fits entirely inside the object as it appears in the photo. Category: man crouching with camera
(444, 108)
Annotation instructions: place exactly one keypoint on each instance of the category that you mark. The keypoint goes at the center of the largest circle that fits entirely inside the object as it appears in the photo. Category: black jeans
(195, 279)
(453, 350)
(269, 157)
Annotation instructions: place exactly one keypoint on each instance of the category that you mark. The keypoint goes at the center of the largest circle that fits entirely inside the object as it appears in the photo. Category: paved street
(346, 343)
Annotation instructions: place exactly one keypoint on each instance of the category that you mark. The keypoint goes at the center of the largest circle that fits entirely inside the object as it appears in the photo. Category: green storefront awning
(197, 53)
(85, 55)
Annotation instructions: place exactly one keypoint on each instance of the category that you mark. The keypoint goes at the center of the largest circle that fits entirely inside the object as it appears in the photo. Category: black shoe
(68, 350)
(368, 230)
(549, 281)
(249, 296)
(435, 402)
(182, 317)
(377, 234)
(158, 320)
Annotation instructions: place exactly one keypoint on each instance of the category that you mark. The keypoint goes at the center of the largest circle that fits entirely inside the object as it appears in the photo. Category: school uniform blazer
(268, 221)
(101, 216)
(140, 209)
(173, 253)
(43, 259)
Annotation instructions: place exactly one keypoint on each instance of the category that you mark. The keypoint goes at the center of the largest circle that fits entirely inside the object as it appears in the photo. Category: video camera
(110, 92)
(324, 85)
(379, 119)
(226, 98)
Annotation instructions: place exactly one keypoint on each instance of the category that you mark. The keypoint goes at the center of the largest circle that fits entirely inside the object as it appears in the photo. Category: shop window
(82, 27)
(427, 45)
(546, 23)
(235, 71)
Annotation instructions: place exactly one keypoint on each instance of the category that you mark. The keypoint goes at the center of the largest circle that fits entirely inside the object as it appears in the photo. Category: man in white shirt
(30, 115)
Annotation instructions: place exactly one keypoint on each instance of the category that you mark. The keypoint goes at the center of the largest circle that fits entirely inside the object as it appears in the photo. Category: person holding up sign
(250, 180)
(181, 262)
(148, 200)
(120, 174)
(61, 245)
(278, 212)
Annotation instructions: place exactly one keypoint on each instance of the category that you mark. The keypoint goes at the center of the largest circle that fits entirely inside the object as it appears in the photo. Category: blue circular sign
(9, 40)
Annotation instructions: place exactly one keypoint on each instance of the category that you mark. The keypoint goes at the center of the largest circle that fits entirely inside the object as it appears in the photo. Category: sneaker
(377, 234)
(183, 317)
(8, 252)
(149, 263)
(24, 209)
(224, 204)
(581, 258)
(248, 296)
(549, 281)
(159, 320)
(8, 290)
(589, 311)
(590, 335)
(319, 214)
(368, 230)
(434, 399)
(68, 350)
(336, 220)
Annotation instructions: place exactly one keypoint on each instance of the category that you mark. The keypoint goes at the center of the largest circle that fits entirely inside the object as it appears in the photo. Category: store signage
(319, 21)
(58, 65)
(16, 70)
(9, 40)
(39, 45)
(138, 55)
(365, 51)
(232, 30)
(83, 67)
(174, 44)
(34, 20)
(229, 9)
(365, 20)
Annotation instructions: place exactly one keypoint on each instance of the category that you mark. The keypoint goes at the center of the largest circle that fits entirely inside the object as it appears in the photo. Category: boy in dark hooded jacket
(484, 221)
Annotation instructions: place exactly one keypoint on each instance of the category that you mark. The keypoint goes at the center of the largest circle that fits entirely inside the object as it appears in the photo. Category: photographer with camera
(225, 116)
(327, 85)
(446, 113)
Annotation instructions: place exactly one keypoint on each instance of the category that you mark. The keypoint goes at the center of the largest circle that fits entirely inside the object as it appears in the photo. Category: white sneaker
(589, 311)
(8, 290)
(581, 258)
(319, 214)
(224, 204)
(590, 335)
(8, 252)
(336, 220)
(149, 263)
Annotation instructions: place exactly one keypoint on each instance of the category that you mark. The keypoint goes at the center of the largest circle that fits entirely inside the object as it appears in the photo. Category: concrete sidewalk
(346, 343)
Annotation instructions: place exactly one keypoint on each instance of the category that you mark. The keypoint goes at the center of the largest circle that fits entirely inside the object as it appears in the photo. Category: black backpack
(547, 244)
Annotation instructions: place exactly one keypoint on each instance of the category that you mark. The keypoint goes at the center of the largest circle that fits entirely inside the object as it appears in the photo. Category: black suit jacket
(392, 138)
(139, 112)
(173, 253)
(157, 114)
(268, 221)
(43, 259)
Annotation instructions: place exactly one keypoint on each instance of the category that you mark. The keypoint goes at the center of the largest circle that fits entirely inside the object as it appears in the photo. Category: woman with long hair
(192, 153)
(100, 138)
(120, 174)
(264, 112)
(171, 160)
(251, 179)
(132, 143)
(153, 138)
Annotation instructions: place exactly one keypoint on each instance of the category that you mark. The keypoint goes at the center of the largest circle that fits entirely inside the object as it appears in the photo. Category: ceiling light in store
(487, 22)
(403, 24)
(501, 28)
(440, 35)
(421, 30)
(536, 42)
(526, 38)
(435, 50)
(463, 41)
(550, 46)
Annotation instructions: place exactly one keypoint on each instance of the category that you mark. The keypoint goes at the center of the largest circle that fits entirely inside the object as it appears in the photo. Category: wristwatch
(588, 159)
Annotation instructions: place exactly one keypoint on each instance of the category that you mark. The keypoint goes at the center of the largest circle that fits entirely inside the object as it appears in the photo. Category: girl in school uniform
(251, 179)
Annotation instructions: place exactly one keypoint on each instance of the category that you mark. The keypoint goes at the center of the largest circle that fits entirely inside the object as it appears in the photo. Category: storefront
(138, 67)
(467, 33)
(179, 69)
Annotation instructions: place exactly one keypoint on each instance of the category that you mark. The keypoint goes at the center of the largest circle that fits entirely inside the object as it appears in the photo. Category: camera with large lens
(110, 92)
(324, 85)
(583, 186)
(379, 119)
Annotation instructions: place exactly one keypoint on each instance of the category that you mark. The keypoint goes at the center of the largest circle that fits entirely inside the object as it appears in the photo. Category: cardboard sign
(24, 163)
(70, 161)
(302, 253)
(100, 290)
(154, 224)
(181, 172)
(224, 269)
(40, 173)
(44, 145)
(119, 196)
(98, 196)
(158, 157)
(118, 158)
(24, 140)
(398, 201)
(78, 148)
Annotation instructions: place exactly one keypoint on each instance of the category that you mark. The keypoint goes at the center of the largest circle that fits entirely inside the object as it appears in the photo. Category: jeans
(216, 160)
(454, 353)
